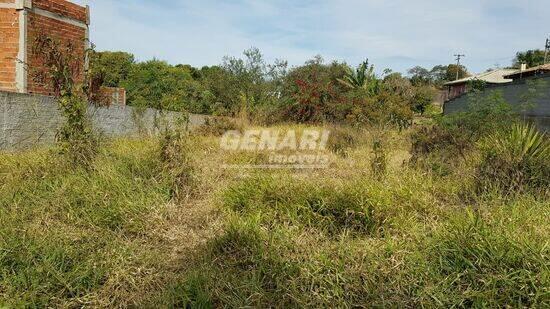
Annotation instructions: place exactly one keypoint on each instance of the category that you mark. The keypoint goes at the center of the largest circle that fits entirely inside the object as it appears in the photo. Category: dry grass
(113, 237)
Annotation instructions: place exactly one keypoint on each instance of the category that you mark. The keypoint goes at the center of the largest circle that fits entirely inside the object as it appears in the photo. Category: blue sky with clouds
(396, 34)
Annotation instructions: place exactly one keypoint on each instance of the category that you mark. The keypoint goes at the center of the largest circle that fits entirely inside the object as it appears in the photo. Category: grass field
(115, 236)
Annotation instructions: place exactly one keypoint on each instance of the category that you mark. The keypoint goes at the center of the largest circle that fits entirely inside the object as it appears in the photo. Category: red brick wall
(9, 46)
(113, 96)
(62, 32)
(38, 25)
(62, 7)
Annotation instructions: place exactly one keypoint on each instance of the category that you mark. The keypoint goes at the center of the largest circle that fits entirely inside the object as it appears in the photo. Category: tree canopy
(532, 58)
(160, 85)
(313, 92)
(111, 67)
(438, 75)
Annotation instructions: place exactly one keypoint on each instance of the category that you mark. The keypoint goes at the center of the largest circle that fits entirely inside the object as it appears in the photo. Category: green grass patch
(68, 233)
(303, 243)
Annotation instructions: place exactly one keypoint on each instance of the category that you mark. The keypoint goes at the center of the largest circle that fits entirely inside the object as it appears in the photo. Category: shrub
(515, 161)
(72, 236)
(386, 108)
(440, 140)
(76, 138)
(343, 139)
(61, 73)
(313, 101)
(175, 146)
(217, 126)
(423, 97)
(453, 136)
(311, 93)
(379, 162)
(329, 208)
(488, 261)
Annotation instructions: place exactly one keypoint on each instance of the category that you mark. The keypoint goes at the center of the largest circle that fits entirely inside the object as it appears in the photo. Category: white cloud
(397, 34)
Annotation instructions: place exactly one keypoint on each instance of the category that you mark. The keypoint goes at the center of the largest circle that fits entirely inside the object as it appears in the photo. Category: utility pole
(547, 50)
(458, 57)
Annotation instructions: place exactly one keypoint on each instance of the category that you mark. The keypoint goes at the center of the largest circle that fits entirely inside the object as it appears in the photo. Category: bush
(175, 153)
(453, 136)
(423, 97)
(444, 142)
(379, 162)
(343, 139)
(69, 235)
(515, 161)
(217, 126)
(486, 261)
(76, 138)
(329, 208)
(386, 108)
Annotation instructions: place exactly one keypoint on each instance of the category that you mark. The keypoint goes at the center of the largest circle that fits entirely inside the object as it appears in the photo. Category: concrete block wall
(28, 121)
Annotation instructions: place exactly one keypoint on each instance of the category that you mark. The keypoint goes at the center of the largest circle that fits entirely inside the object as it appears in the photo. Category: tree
(248, 83)
(451, 73)
(420, 76)
(532, 58)
(249, 76)
(316, 72)
(162, 86)
(224, 89)
(363, 77)
(111, 67)
(438, 74)
(422, 98)
(312, 93)
(398, 85)
(415, 97)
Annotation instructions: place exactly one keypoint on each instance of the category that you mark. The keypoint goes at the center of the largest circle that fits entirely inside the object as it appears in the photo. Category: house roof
(491, 77)
(518, 73)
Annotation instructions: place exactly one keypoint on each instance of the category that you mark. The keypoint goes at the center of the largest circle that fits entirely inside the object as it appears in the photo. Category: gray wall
(514, 93)
(30, 120)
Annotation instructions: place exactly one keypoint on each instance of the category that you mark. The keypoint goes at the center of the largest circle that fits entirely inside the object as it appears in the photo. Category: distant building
(459, 87)
(532, 72)
(538, 108)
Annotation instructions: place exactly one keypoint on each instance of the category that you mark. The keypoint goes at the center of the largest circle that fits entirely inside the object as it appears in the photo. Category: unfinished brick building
(21, 21)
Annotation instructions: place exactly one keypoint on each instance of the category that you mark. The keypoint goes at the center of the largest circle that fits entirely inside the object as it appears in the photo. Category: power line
(458, 57)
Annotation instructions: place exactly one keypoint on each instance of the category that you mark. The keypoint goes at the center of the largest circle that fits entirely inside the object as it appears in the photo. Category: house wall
(456, 90)
(514, 93)
(21, 22)
(63, 8)
(9, 42)
(64, 22)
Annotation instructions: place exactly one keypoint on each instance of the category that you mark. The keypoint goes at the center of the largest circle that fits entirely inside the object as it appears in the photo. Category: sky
(394, 34)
